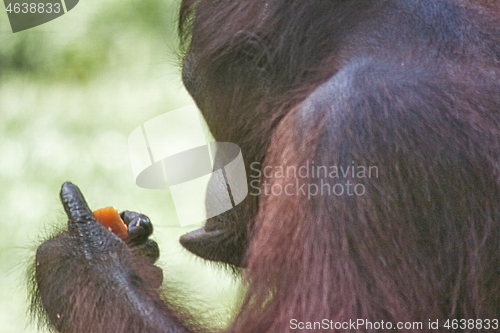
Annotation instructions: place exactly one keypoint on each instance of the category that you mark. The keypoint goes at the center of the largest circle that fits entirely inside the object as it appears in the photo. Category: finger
(139, 226)
(77, 210)
(82, 222)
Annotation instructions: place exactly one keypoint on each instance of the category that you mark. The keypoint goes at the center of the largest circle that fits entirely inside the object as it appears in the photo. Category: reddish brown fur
(412, 88)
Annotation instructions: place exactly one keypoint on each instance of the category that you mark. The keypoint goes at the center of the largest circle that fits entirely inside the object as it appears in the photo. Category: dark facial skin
(224, 237)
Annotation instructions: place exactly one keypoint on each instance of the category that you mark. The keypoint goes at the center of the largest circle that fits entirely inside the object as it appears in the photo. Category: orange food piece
(109, 218)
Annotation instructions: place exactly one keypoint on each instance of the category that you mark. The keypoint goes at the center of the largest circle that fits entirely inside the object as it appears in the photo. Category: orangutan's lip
(214, 245)
(201, 238)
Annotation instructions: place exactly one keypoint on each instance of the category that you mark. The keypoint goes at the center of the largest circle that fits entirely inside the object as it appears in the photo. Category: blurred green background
(71, 91)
